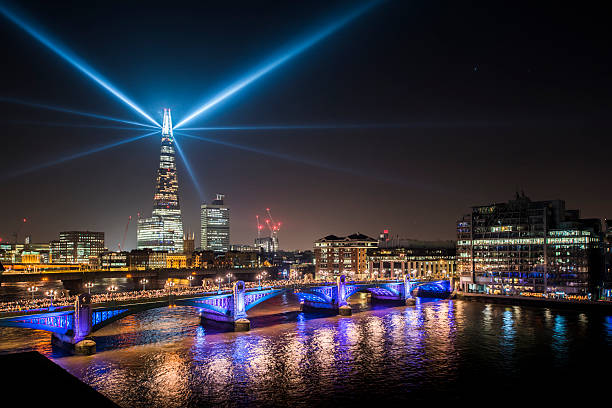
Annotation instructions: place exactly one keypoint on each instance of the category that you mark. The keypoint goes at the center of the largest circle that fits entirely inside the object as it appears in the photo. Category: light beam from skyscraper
(77, 155)
(73, 112)
(279, 60)
(194, 179)
(314, 163)
(71, 58)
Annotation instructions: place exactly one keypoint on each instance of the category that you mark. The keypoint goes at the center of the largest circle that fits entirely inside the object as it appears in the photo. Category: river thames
(436, 351)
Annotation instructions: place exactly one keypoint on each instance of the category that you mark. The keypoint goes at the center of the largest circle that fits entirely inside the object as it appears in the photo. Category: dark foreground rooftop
(34, 379)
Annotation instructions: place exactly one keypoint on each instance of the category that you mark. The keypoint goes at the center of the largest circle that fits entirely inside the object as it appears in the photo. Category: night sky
(464, 102)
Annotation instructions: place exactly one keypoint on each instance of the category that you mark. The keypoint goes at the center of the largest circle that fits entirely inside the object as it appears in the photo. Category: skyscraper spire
(164, 230)
(167, 124)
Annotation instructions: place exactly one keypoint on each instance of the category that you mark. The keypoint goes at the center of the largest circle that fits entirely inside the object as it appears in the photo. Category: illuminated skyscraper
(164, 230)
(215, 233)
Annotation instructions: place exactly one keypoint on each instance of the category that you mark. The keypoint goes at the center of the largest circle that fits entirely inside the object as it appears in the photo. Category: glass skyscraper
(215, 220)
(163, 231)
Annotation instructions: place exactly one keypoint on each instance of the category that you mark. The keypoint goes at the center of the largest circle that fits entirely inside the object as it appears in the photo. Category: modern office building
(336, 256)
(606, 290)
(163, 231)
(531, 248)
(77, 247)
(112, 260)
(215, 226)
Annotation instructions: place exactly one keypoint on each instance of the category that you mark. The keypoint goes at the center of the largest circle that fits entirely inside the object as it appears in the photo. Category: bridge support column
(236, 316)
(343, 307)
(77, 340)
(407, 292)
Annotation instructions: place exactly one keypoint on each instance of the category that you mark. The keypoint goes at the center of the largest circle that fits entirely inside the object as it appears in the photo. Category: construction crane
(122, 244)
(274, 226)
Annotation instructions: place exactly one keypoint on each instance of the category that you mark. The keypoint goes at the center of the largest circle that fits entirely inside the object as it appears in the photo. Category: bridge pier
(328, 297)
(235, 310)
(345, 310)
(77, 339)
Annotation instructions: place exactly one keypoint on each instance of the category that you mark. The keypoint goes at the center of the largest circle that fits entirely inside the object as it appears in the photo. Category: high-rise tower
(215, 225)
(164, 230)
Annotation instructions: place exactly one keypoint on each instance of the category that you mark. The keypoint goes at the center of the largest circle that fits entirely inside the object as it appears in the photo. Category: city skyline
(396, 149)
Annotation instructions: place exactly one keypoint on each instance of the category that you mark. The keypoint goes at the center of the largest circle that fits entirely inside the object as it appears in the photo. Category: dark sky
(493, 96)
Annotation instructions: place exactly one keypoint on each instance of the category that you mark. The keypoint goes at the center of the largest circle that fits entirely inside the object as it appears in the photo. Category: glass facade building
(163, 231)
(533, 248)
(77, 247)
(215, 226)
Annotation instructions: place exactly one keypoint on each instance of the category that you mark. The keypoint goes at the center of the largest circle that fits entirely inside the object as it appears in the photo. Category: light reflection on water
(163, 357)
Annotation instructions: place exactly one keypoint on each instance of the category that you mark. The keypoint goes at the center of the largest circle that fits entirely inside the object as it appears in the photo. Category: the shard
(163, 231)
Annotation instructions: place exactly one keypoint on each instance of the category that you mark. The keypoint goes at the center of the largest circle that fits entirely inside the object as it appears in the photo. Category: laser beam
(74, 125)
(352, 126)
(71, 58)
(189, 170)
(279, 60)
(313, 163)
(77, 155)
(72, 111)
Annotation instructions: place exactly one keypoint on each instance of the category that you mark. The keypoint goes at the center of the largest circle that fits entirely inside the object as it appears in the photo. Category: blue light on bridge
(98, 317)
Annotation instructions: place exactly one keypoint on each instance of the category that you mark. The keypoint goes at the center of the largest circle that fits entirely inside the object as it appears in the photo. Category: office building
(163, 231)
(530, 248)
(215, 226)
(77, 247)
(396, 257)
(140, 259)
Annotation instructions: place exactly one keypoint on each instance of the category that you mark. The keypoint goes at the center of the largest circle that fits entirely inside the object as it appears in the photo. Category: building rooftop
(353, 237)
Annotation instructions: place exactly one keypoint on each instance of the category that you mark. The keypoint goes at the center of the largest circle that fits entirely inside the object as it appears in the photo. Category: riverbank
(35, 380)
(538, 302)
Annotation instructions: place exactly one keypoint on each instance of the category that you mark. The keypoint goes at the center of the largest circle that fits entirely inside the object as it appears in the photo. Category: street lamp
(143, 282)
(170, 285)
(111, 289)
(190, 278)
(258, 277)
(89, 285)
(229, 278)
(219, 280)
(51, 294)
(32, 289)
